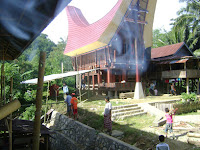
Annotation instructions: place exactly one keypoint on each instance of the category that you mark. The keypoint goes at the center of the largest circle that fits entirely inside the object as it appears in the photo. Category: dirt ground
(182, 124)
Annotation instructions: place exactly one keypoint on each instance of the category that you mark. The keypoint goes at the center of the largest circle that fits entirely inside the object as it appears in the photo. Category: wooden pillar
(187, 86)
(93, 84)
(185, 66)
(96, 59)
(168, 88)
(137, 78)
(181, 86)
(105, 56)
(37, 122)
(138, 93)
(198, 86)
(10, 121)
(193, 84)
(124, 74)
(114, 60)
(108, 75)
(88, 79)
(99, 77)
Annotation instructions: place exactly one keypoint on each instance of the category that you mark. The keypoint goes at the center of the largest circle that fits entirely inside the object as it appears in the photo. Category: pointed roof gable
(165, 51)
(84, 37)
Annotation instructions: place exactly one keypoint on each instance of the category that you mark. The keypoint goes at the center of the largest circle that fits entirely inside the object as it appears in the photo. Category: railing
(189, 73)
(117, 85)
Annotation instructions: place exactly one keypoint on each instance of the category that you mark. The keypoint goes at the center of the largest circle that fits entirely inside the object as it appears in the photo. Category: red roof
(81, 33)
(165, 50)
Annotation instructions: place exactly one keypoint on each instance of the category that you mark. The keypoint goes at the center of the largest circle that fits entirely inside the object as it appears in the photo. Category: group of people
(153, 90)
(72, 102)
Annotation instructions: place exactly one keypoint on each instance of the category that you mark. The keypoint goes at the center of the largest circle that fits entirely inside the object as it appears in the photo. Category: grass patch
(91, 113)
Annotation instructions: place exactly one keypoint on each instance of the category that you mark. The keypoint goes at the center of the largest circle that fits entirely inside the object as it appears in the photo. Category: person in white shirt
(65, 90)
(107, 116)
(162, 145)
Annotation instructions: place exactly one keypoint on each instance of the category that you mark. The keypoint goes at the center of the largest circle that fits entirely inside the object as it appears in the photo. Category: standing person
(173, 90)
(68, 102)
(107, 116)
(162, 145)
(74, 107)
(169, 120)
(151, 88)
(65, 90)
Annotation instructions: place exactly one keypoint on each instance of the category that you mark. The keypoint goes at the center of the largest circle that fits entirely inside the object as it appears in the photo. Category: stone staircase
(125, 111)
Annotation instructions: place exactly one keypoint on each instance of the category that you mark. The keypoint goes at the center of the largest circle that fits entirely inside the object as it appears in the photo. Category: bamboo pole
(4, 87)
(46, 103)
(10, 122)
(9, 108)
(37, 122)
(2, 73)
(78, 80)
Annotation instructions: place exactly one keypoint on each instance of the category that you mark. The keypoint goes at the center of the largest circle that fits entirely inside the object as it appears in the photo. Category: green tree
(189, 22)
(162, 38)
(56, 58)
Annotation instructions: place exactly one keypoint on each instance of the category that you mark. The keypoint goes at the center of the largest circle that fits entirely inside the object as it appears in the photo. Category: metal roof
(21, 21)
(165, 50)
(56, 76)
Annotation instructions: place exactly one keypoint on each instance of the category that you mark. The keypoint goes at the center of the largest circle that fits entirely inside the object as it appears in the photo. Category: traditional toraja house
(175, 63)
(116, 45)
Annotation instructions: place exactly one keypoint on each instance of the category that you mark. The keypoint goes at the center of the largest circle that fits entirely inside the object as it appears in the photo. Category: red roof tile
(165, 50)
(81, 33)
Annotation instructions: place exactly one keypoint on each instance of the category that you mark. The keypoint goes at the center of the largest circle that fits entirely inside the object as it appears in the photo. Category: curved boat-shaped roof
(84, 37)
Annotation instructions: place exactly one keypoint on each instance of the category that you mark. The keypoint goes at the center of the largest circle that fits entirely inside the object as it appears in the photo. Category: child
(169, 120)
(74, 103)
(162, 145)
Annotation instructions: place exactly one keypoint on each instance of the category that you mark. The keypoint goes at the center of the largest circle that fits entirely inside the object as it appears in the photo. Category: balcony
(188, 73)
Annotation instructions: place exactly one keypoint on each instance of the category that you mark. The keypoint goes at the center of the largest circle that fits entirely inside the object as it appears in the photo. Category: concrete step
(126, 112)
(130, 115)
(124, 106)
(125, 109)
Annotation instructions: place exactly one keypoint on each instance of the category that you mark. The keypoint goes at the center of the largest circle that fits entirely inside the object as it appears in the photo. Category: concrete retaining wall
(73, 135)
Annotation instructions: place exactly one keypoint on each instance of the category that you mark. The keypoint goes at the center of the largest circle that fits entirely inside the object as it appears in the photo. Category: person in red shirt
(74, 103)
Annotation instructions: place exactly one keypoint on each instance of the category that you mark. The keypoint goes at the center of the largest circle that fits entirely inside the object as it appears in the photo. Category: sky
(93, 10)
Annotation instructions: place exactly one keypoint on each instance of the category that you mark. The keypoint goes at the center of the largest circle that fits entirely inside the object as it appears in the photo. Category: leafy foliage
(189, 22)
(189, 97)
(26, 67)
(29, 113)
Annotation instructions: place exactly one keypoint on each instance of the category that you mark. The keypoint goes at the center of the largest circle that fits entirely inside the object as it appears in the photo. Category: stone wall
(73, 135)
